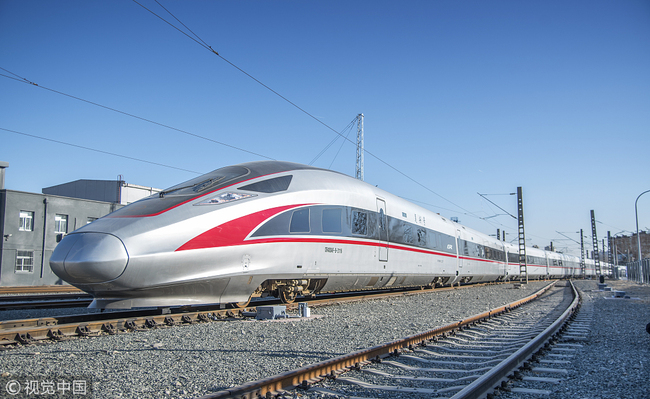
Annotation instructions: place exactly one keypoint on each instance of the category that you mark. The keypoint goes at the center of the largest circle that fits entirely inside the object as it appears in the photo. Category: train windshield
(212, 180)
(184, 192)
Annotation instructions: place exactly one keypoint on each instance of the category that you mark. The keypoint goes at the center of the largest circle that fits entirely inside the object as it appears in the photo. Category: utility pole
(523, 265)
(582, 255)
(638, 237)
(609, 247)
(359, 168)
(613, 271)
(595, 245)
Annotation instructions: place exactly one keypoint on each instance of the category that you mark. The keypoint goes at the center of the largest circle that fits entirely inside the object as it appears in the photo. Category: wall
(42, 240)
(132, 192)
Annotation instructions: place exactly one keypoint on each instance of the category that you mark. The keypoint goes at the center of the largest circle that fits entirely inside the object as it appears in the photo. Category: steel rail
(62, 303)
(45, 301)
(39, 289)
(65, 327)
(484, 385)
(332, 367)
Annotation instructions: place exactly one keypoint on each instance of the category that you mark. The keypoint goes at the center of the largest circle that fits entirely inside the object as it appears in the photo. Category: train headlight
(225, 197)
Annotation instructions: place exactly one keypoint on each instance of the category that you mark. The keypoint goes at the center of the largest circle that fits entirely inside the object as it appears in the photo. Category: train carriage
(278, 228)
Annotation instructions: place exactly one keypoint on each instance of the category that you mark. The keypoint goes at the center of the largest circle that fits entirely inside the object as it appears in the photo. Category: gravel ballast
(614, 359)
(194, 360)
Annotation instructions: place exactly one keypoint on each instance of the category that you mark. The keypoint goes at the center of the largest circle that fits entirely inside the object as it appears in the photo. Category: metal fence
(639, 271)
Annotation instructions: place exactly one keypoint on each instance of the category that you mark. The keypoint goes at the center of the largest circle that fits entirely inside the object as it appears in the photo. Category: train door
(547, 268)
(459, 260)
(504, 271)
(383, 230)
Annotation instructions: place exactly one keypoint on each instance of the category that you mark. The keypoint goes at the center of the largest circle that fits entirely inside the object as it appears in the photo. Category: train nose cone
(86, 258)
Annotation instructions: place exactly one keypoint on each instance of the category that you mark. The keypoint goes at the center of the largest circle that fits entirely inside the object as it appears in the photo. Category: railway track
(47, 297)
(467, 359)
(93, 324)
(28, 331)
(69, 300)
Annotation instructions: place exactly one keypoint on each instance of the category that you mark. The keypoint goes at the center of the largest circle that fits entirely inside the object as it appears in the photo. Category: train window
(408, 234)
(359, 223)
(332, 220)
(299, 221)
(270, 186)
(448, 243)
(422, 237)
(464, 247)
(480, 251)
(434, 239)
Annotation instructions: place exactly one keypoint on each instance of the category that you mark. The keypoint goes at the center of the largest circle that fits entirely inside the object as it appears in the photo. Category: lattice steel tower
(359, 168)
(523, 262)
(595, 242)
(583, 268)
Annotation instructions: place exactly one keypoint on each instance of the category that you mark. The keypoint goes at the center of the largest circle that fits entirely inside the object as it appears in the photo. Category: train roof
(206, 184)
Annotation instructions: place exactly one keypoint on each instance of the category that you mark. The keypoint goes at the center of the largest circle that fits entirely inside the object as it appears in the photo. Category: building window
(24, 261)
(26, 221)
(61, 224)
(90, 220)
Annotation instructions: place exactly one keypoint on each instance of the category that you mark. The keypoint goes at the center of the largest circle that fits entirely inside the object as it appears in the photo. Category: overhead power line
(349, 126)
(24, 80)
(341, 146)
(100, 151)
(203, 44)
(490, 201)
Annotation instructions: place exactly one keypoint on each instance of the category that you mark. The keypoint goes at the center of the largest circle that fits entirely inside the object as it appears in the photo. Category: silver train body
(283, 229)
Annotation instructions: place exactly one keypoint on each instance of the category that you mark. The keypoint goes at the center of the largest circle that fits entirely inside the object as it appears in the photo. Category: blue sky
(462, 97)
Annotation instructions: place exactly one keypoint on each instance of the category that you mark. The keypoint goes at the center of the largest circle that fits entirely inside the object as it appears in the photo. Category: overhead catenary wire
(490, 222)
(349, 126)
(203, 44)
(24, 80)
(340, 147)
(492, 202)
(100, 151)
(17, 77)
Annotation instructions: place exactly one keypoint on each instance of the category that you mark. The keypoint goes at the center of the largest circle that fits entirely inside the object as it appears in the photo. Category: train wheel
(287, 296)
(243, 304)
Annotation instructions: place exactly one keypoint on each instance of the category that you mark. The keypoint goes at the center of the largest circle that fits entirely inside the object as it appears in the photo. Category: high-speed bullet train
(282, 229)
